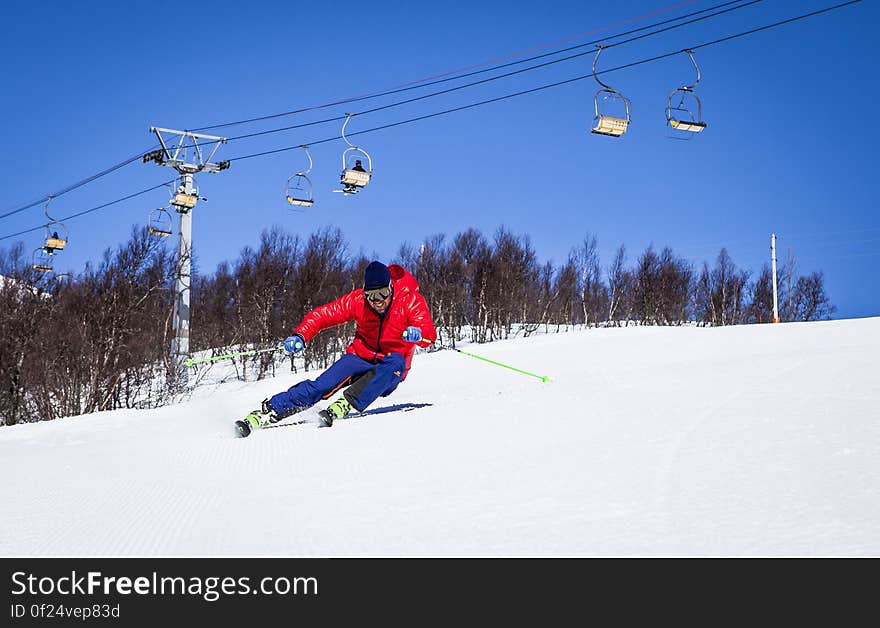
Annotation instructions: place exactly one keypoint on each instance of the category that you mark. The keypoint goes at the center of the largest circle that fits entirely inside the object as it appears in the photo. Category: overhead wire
(791, 241)
(419, 84)
(488, 101)
(488, 80)
(444, 78)
(780, 237)
(73, 186)
(93, 209)
(839, 257)
(824, 233)
(555, 84)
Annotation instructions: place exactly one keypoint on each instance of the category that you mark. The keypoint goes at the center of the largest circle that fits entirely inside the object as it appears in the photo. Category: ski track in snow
(756, 440)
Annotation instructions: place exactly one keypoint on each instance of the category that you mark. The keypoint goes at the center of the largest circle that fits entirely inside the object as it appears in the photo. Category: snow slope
(760, 440)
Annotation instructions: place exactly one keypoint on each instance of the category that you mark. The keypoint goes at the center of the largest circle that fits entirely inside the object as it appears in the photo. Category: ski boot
(257, 419)
(336, 410)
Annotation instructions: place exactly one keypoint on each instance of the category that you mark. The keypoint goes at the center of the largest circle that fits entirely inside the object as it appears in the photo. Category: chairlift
(679, 116)
(354, 176)
(180, 200)
(603, 123)
(56, 232)
(56, 236)
(160, 222)
(184, 201)
(43, 260)
(299, 191)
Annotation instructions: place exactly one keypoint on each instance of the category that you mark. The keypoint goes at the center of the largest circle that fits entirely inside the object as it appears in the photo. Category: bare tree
(811, 301)
(676, 278)
(646, 290)
(720, 292)
(594, 295)
(786, 284)
(24, 309)
(566, 293)
(619, 286)
(760, 298)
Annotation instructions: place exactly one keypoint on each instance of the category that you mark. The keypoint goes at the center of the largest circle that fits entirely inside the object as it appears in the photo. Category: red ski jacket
(376, 335)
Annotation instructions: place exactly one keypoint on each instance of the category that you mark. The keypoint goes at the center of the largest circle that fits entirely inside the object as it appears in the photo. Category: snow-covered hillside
(740, 441)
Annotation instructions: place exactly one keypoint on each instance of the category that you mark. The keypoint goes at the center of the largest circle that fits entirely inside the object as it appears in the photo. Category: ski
(243, 428)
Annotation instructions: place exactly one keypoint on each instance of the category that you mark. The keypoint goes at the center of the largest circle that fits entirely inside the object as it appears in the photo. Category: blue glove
(412, 334)
(294, 344)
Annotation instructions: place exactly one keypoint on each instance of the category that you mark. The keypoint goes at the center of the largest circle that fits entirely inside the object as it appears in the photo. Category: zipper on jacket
(379, 335)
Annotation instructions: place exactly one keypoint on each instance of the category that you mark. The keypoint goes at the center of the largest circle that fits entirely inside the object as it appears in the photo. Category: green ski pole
(190, 361)
(543, 378)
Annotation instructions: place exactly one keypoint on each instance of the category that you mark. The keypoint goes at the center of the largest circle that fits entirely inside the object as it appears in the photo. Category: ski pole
(190, 361)
(543, 378)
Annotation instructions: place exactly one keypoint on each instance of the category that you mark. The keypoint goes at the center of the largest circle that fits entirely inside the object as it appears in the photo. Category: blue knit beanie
(376, 275)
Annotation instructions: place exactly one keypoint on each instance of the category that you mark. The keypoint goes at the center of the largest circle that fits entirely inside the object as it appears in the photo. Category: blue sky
(788, 149)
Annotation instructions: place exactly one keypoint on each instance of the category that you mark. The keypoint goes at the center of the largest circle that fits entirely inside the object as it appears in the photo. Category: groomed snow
(759, 440)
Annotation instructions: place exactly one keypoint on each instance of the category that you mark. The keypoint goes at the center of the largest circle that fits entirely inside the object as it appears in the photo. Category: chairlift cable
(481, 81)
(556, 84)
(444, 77)
(73, 186)
(410, 86)
(480, 103)
(93, 209)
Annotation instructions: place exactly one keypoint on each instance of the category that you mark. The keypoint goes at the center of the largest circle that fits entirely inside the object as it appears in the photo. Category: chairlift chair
(42, 260)
(679, 116)
(300, 191)
(609, 125)
(54, 241)
(603, 123)
(56, 232)
(354, 176)
(159, 222)
(184, 200)
(681, 125)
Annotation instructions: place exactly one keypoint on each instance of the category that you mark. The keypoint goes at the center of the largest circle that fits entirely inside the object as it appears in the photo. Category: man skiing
(392, 319)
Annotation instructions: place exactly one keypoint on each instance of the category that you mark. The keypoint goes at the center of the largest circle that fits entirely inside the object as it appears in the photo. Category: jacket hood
(402, 279)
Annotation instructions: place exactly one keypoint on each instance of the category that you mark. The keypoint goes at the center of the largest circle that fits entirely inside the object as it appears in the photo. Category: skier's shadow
(402, 407)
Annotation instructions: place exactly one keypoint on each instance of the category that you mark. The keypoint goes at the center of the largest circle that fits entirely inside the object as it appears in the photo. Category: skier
(392, 319)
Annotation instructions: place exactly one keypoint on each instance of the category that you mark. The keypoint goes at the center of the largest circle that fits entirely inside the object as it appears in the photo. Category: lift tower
(184, 201)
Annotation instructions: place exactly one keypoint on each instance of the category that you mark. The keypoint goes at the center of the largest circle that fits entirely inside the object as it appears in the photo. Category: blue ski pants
(366, 382)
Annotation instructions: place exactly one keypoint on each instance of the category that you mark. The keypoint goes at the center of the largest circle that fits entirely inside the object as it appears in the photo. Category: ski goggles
(377, 295)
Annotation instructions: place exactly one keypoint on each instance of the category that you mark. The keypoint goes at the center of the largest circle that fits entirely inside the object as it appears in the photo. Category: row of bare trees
(77, 345)
(491, 289)
(99, 341)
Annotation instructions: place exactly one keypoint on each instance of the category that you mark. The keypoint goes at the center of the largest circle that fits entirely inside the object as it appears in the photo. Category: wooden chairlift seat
(608, 125)
(42, 259)
(160, 223)
(687, 125)
(184, 200)
(355, 177)
(159, 231)
(55, 244)
(302, 202)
